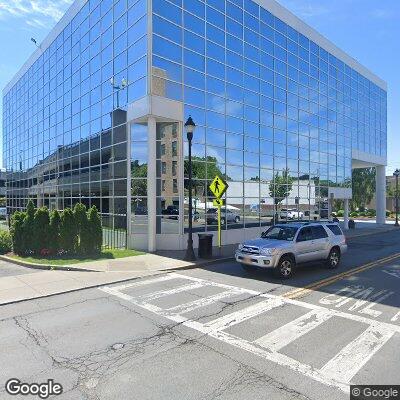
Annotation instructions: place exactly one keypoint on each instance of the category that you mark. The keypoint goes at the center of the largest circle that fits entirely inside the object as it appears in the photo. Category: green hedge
(5, 242)
(44, 233)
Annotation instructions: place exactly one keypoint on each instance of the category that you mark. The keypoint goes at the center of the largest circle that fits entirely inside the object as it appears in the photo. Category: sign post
(218, 188)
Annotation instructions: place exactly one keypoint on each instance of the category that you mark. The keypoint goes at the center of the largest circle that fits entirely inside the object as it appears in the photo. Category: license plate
(247, 260)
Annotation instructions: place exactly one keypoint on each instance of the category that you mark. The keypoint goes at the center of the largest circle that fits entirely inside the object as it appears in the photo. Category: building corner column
(151, 185)
(346, 213)
(380, 194)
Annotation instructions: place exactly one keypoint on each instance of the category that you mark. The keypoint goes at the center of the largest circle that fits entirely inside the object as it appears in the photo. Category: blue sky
(367, 29)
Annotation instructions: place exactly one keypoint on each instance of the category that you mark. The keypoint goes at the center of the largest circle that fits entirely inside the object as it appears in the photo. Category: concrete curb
(48, 267)
(156, 273)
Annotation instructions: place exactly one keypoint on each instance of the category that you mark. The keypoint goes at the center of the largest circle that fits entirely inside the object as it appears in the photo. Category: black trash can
(205, 245)
(352, 224)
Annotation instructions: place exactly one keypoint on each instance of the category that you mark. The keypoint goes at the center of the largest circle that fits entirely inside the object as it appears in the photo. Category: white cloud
(382, 13)
(36, 13)
(306, 8)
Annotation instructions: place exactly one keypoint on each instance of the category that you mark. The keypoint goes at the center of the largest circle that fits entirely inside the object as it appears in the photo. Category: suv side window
(305, 235)
(319, 232)
(335, 230)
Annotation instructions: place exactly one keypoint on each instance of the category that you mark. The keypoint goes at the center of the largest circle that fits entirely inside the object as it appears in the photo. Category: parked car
(313, 215)
(171, 212)
(140, 210)
(291, 214)
(283, 247)
(226, 216)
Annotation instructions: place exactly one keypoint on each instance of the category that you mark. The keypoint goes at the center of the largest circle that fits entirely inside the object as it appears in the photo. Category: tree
(363, 187)
(68, 233)
(41, 229)
(139, 185)
(202, 168)
(281, 186)
(81, 222)
(17, 232)
(29, 236)
(95, 230)
(54, 231)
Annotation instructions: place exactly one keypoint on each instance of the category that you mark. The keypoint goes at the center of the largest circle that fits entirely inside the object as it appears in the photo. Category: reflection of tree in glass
(139, 186)
(281, 186)
(202, 168)
(363, 187)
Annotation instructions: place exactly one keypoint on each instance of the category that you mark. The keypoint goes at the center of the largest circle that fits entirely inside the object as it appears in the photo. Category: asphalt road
(216, 333)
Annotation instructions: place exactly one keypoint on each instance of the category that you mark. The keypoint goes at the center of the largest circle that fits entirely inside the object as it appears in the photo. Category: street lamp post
(123, 85)
(397, 174)
(190, 126)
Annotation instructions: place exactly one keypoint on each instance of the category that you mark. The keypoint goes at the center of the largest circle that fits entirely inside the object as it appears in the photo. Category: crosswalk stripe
(163, 293)
(286, 334)
(203, 302)
(345, 364)
(164, 278)
(242, 315)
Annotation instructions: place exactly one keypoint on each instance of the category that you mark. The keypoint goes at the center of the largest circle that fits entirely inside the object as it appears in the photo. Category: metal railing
(115, 234)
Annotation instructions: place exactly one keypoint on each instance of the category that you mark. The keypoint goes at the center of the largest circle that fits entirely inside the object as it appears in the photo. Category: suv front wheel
(285, 268)
(333, 259)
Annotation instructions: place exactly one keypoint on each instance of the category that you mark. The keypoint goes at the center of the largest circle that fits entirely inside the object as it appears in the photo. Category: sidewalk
(46, 283)
(42, 283)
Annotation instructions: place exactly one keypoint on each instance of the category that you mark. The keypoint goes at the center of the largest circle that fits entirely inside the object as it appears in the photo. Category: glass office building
(96, 115)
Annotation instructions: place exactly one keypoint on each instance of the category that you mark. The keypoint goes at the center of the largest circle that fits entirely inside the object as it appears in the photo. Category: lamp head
(396, 173)
(190, 127)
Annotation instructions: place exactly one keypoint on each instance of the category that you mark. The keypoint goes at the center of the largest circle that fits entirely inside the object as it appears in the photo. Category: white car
(291, 214)
(284, 246)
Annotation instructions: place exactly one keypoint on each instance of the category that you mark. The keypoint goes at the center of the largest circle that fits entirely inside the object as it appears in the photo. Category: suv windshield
(280, 233)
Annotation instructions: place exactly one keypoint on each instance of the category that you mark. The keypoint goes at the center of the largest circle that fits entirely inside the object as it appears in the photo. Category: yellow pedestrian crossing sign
(218, 187)
(218, 202)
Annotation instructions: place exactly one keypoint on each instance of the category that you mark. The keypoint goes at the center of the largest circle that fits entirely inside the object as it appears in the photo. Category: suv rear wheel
(285, 268)
(333, 259)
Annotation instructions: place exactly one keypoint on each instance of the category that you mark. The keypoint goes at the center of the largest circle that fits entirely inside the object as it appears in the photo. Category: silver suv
(284, 246)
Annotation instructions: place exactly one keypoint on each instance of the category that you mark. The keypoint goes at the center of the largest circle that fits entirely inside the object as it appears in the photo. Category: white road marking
(336, 373)
(237, 317)
(203, 302)
(286, 334)
(144, 282)
(375, 313)
(168, 292)
(396, 317)
(356, 354)
(392, 272)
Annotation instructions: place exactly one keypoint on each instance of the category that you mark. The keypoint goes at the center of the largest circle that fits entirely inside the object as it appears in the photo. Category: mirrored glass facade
(277, 116)
(65, 132)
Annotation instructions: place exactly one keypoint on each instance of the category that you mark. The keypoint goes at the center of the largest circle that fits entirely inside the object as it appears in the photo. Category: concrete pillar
(381, 194)
(346, 213)
(151, 185)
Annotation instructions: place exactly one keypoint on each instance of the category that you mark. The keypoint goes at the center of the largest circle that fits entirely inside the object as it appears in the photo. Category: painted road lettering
(361, 299)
